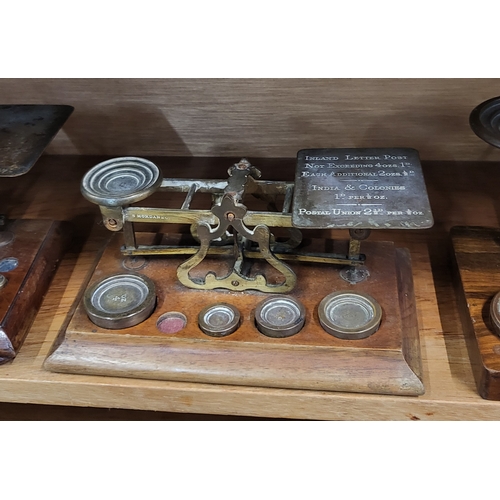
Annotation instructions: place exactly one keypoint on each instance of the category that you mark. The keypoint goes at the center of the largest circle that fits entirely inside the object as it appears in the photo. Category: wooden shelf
(460, 194)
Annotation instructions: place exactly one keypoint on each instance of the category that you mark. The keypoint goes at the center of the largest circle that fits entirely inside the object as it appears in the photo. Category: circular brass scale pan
(349, 315)
(280, 316)
(120, 301)
(121, 181)
(219, 320)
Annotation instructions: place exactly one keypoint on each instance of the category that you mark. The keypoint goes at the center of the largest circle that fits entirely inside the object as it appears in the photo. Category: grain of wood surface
(261, 117)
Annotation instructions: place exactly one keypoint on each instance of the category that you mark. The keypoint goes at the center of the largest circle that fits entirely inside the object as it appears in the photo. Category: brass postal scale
(246, 297)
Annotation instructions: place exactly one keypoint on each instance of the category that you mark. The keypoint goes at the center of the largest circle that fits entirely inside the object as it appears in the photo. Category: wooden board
(477, 266)
(261, 117)
(387, 362)
(38, 246)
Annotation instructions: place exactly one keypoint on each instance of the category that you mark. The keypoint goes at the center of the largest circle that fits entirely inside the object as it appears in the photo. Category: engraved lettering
(360, 188)
(393, 157)
(373, 211)
(315, 187)
(339, 211)
(352, 157)
(303, 211)
(314, 174)
(353, 174)
(340, 165)
(321, 158)
(389, 174)
(349, 165)
(120, 298)
(148, 216)
(365, 187)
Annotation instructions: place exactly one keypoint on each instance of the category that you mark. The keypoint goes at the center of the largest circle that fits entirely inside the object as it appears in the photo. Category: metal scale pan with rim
(246, 299)
(29, 249)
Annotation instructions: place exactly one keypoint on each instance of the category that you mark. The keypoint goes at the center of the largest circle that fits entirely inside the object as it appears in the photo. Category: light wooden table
(460, 193)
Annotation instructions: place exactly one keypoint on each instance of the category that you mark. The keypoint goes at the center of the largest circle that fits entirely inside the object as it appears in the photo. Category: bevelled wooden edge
(353, 369)
(27, 301)
(349, 370)
(407, 302)
(79, 297)
(471, 248)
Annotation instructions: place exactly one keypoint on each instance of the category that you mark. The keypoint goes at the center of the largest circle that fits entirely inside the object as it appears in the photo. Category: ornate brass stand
(226, 214)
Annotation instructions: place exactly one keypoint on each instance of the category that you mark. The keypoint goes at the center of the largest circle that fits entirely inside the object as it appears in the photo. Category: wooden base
(388, 362)
(477, 273)
(38, 246)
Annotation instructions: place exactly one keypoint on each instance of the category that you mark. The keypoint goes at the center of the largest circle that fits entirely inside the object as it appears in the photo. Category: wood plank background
(261, 117)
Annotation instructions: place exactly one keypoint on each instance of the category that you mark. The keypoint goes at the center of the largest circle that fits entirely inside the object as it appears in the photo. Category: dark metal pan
(25, 131)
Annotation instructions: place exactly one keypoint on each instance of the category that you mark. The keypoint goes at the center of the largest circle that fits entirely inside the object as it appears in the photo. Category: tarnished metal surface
(230, 214)
(376, 188)
(280, 317)
(219, 320)
(240, 175)
(390, 181)
(349, 315)
(354, 274)
(25, 131)
(227, 213)
(120, 301)
(121, 181)
(485, 121)
(228, 251)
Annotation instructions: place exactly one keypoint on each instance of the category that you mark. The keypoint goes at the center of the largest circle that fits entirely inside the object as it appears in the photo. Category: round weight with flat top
(121, 181)
(280, 316)
(219, 320)
(120, 301)
(349, 315)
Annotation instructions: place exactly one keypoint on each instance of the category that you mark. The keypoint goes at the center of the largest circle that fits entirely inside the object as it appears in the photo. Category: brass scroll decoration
(230, 214)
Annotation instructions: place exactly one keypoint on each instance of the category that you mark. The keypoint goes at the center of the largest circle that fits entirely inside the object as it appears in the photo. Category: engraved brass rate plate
(376, 188)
